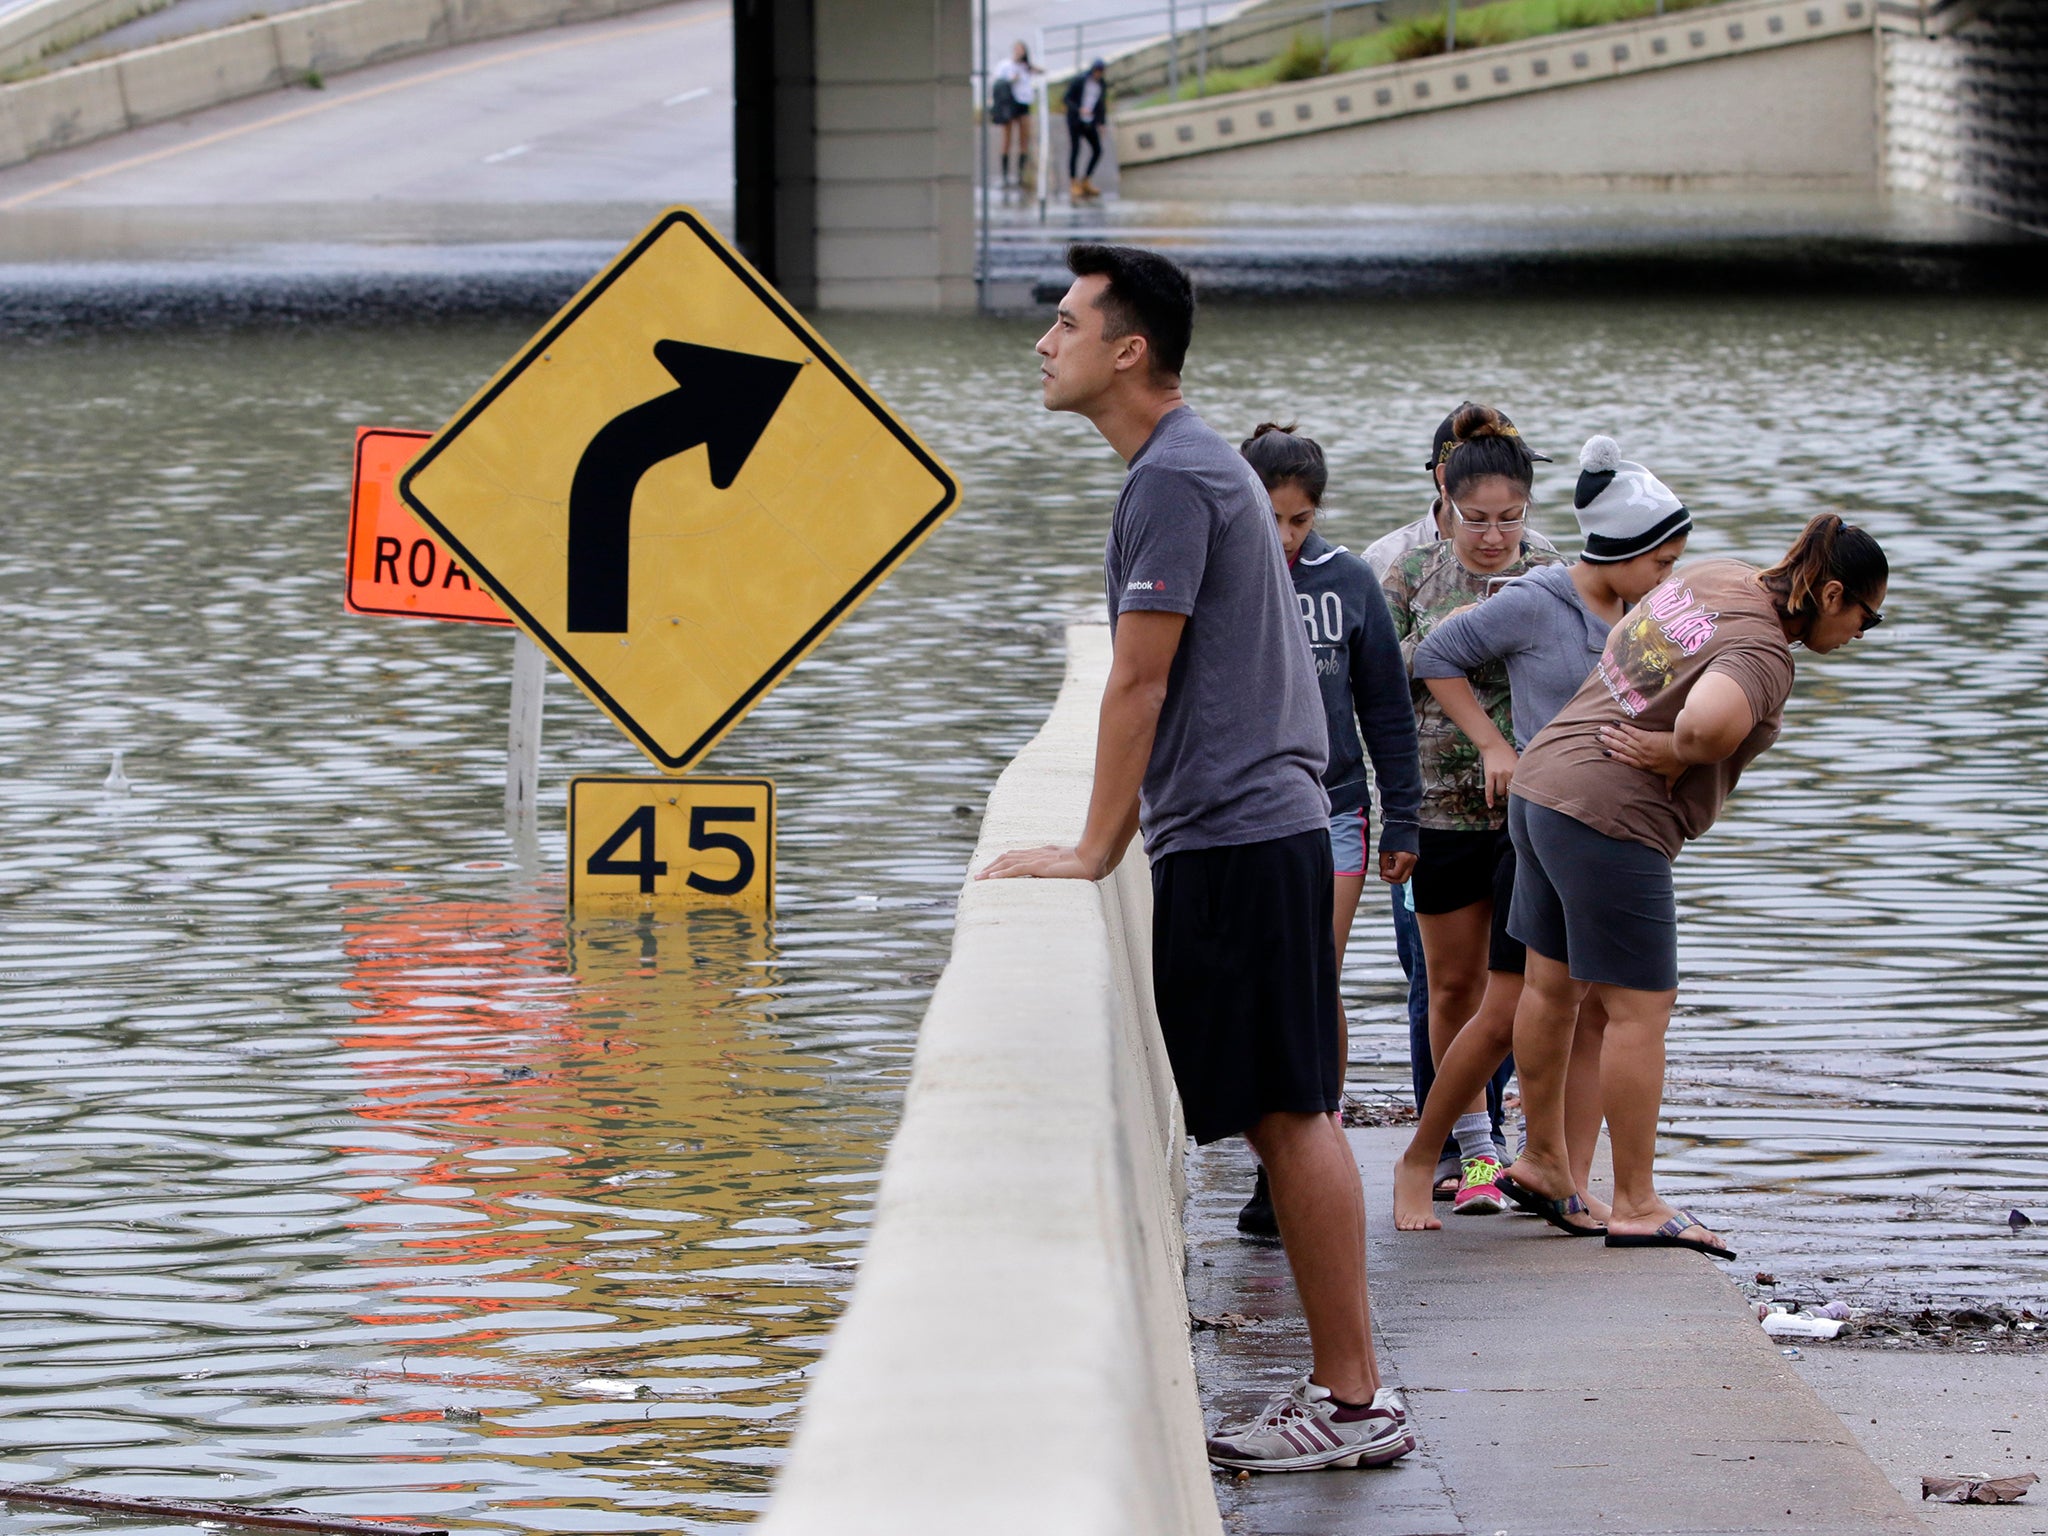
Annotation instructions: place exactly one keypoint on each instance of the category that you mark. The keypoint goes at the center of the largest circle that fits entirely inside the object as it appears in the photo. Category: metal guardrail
(1177, 130)
(1189, 36)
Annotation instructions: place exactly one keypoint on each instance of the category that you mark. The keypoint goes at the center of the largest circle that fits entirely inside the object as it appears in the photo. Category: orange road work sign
(396, 567)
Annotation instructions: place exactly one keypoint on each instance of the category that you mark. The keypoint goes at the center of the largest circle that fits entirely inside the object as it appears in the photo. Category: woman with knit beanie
(1549, 628)
(1689, 690)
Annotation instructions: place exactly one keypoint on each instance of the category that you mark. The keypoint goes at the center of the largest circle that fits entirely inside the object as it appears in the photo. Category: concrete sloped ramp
(1754, 94)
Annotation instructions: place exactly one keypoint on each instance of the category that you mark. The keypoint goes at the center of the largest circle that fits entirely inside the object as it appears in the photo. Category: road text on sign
(646, 842)
(678, 489)
(395, 566)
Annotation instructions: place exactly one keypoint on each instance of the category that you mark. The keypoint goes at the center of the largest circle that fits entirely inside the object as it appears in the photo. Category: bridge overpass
(837, 137)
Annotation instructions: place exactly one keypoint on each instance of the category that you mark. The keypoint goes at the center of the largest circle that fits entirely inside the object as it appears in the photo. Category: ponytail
(1279, 456)
(1827, 549)
(1485, 443)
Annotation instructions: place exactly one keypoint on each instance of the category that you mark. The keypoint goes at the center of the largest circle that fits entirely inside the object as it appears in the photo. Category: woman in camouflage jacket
(1465, 871)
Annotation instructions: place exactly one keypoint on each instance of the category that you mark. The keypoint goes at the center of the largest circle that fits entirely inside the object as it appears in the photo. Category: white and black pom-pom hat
(1623, 509)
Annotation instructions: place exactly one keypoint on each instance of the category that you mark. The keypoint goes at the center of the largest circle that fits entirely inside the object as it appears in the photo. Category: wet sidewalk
(1531, 243)
(1559, 1388)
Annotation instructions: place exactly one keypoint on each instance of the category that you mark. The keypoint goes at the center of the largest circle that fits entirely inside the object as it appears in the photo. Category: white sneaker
(1301, 1431)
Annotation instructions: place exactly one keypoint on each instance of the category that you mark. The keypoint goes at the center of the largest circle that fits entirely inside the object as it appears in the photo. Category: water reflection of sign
(643, 842)
(678, 489)
(396, 567)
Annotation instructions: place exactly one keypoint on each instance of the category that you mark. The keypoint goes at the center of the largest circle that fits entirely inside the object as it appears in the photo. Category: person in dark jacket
(1087, 103)
(1365, 694)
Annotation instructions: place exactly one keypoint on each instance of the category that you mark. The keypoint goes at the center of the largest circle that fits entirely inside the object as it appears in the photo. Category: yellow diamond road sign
(678, 489)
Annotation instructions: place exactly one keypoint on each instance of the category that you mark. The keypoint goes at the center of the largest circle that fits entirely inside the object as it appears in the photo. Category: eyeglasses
(1871, 617)
(1500, 525)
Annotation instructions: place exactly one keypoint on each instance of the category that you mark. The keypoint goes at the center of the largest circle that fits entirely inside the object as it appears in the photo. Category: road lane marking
(507, 154)
(697, 95)
(157, 156)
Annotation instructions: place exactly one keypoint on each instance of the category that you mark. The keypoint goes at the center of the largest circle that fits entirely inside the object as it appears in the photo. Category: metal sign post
(981, 118)
(522, 746)
(1044, 88)
(1172, 52)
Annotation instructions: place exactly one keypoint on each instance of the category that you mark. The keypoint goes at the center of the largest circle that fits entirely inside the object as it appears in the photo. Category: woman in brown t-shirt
(1691, 688)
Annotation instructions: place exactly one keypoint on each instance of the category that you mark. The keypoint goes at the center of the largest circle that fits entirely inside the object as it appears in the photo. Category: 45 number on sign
(644, 842)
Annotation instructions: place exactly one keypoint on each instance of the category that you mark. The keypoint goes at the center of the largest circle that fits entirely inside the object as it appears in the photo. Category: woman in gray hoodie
(1365, 696)
(1549, 628)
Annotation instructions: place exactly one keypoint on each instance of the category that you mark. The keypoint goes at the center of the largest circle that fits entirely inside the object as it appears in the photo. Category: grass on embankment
(1420, 37)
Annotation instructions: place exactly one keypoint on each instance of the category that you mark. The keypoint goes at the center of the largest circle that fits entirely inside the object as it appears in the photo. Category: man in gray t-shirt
(1212, 739)
(1193, 522)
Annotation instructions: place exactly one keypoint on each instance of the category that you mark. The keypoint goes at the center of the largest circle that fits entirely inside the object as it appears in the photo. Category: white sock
(1475, 1135)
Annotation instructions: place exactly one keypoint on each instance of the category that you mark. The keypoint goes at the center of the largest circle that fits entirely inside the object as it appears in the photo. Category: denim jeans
(1421, 1066)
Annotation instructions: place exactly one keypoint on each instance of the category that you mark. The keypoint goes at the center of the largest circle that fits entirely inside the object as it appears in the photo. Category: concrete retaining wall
(1790, 118)
(1015, 1361)
(150, 85)
(1966, 115)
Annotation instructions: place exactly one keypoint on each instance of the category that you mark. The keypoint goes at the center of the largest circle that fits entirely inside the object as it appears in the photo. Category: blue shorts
(1347, 841)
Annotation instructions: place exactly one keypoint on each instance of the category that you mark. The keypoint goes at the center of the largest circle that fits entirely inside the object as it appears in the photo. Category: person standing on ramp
(1212, 741)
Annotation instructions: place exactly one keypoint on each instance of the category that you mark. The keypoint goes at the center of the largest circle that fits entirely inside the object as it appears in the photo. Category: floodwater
(322, 1125)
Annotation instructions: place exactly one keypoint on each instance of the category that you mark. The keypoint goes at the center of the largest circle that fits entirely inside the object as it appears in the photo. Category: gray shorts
(1603, 906)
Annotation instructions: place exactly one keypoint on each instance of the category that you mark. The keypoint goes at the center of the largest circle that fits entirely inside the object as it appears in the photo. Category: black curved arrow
(723, 400)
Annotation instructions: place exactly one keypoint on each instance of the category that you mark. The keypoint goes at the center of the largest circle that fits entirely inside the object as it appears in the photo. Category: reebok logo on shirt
(1145, 586)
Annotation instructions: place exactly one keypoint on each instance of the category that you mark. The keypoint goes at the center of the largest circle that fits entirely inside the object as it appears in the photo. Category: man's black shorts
(1244, 969)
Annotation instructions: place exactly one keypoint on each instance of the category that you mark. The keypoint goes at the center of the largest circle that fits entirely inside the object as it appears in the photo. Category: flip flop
(1550, 1208)
(1444, 1186)
(1667, 1236)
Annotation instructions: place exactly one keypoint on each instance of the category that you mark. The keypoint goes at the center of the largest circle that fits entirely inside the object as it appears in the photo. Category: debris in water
(284, 1518)
(612, 1386)
(1977, 1490)
(1377, 1113)
(1765, 1279)
(2015, 1218)
(463, 1415)
(1220, 1322)
(116, 783)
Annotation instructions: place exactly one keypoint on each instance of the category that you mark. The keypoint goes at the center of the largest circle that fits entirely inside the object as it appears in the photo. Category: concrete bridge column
(1966, 113)
(853, 150)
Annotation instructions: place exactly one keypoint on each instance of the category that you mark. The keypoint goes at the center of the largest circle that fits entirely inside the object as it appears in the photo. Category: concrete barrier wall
(151, 85)
(1014, 1361)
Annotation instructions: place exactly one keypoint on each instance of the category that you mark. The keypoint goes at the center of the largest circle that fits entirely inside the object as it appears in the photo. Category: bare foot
(1602, 1211)
(1412, 1204)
